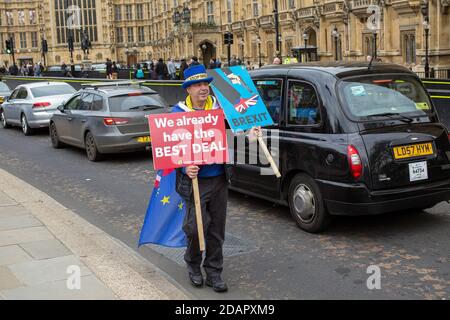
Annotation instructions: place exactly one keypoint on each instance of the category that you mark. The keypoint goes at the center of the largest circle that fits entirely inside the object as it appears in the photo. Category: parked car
(59, 69)
(351, 140)
(106, 118)
(4, 92)
(31, 105)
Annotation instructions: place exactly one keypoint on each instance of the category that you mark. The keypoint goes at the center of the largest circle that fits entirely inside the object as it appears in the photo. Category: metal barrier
(170, 90)
(439, 90)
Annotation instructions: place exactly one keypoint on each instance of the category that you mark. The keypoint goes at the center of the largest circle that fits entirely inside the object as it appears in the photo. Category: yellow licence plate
(144, 139)
(413, 150)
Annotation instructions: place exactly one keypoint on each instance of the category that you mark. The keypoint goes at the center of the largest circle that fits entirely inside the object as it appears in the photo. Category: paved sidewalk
(46, 250)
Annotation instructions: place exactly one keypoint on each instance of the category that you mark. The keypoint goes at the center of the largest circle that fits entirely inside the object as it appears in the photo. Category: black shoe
(217, 284)
(196, 279)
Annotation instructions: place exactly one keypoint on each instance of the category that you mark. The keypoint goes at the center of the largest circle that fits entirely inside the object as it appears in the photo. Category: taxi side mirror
(61, 108)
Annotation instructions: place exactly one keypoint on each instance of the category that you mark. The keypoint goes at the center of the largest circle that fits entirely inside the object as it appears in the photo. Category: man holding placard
(213, 189)
(192, 139)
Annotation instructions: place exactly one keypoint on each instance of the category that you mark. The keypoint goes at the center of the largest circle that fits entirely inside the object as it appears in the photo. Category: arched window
(409, 47)
(368, 45)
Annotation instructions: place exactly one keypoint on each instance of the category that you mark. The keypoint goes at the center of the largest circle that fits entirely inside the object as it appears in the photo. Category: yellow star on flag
(165, 200)
(180, 206)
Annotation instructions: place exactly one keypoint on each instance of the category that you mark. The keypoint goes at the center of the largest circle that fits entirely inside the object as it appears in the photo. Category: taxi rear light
(354, 161)
(132, 94)
(41, 104)
(114, 121)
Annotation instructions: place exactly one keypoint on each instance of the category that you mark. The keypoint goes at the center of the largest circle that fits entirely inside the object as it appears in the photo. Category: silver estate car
(106, 118)
(4, 92)
(31, 105)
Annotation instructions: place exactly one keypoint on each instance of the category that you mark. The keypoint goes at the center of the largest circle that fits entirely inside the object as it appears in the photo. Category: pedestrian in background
(37, 69)
(108, 69)
(276, 60)
(194, 61)
(23, 70)
(139, 72)
(64, 69)
(14, 70)
(171, 69)
(115, 70)
(161, 69)
(183, 66)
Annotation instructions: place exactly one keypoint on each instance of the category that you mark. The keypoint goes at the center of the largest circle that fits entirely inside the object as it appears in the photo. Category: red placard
(188, 138)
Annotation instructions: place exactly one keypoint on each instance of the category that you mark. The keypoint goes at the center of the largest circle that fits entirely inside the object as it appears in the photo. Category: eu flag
(165, 213)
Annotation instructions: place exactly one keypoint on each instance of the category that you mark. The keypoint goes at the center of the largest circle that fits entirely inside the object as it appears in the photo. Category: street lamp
(280, 46)
(176, 18)
(242, 44)
(258, 40)
(203, 53)
(186, 15)
(277, 31)
(374, 44)
(426, 26)
(335, 35)
(305, 38)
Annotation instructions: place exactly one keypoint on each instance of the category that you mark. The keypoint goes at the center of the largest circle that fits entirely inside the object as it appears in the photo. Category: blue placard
(239, 98)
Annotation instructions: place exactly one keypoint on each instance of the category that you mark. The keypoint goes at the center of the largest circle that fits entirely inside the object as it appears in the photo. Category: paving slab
(91, 289)
(40, 271)
(45, 249)
(6, 201)
(13, 255)
(8, 280)
(19, 222)
(13, 211)
(9, 237)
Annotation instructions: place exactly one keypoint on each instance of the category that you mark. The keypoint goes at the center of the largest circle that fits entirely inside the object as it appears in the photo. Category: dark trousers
(213, 197)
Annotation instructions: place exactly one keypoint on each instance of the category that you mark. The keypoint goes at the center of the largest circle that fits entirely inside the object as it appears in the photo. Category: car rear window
(371, 97)
(131, 102)
(50, 90)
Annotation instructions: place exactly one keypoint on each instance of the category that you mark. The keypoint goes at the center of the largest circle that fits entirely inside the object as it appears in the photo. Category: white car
(31, 105)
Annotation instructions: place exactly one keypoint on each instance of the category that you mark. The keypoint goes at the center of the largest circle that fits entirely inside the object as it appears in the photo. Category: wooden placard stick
(269, 156)
(198, 214)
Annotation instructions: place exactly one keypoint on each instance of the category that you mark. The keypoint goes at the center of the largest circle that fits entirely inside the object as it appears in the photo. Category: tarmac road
(266, 255)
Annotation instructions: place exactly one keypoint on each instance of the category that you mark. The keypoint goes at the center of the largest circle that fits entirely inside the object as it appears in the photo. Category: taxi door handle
(83, 120)
(70, 118)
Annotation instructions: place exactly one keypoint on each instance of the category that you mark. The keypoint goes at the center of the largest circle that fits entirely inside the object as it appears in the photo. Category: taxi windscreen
(369, 97)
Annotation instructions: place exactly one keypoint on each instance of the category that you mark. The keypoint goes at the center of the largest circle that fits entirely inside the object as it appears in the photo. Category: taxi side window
(303, 104)
(270, 93)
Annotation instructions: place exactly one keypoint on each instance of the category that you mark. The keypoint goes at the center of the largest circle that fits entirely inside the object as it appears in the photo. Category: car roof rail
(97, 85)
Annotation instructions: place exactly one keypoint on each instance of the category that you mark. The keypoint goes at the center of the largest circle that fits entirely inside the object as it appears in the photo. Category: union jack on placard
(243, 104)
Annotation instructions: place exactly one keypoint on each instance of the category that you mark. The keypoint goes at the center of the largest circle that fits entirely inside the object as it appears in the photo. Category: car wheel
(91, 148)
(5, 124)
(56, 143)
(307, 205)
(25, 127)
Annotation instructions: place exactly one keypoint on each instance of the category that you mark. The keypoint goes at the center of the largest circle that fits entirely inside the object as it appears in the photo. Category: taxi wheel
(307, 205)
(25, 127)
(56, 143)
(91, 148)
(5, 124)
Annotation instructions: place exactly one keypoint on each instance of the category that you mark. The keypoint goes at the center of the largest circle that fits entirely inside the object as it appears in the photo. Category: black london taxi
(350, 139)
